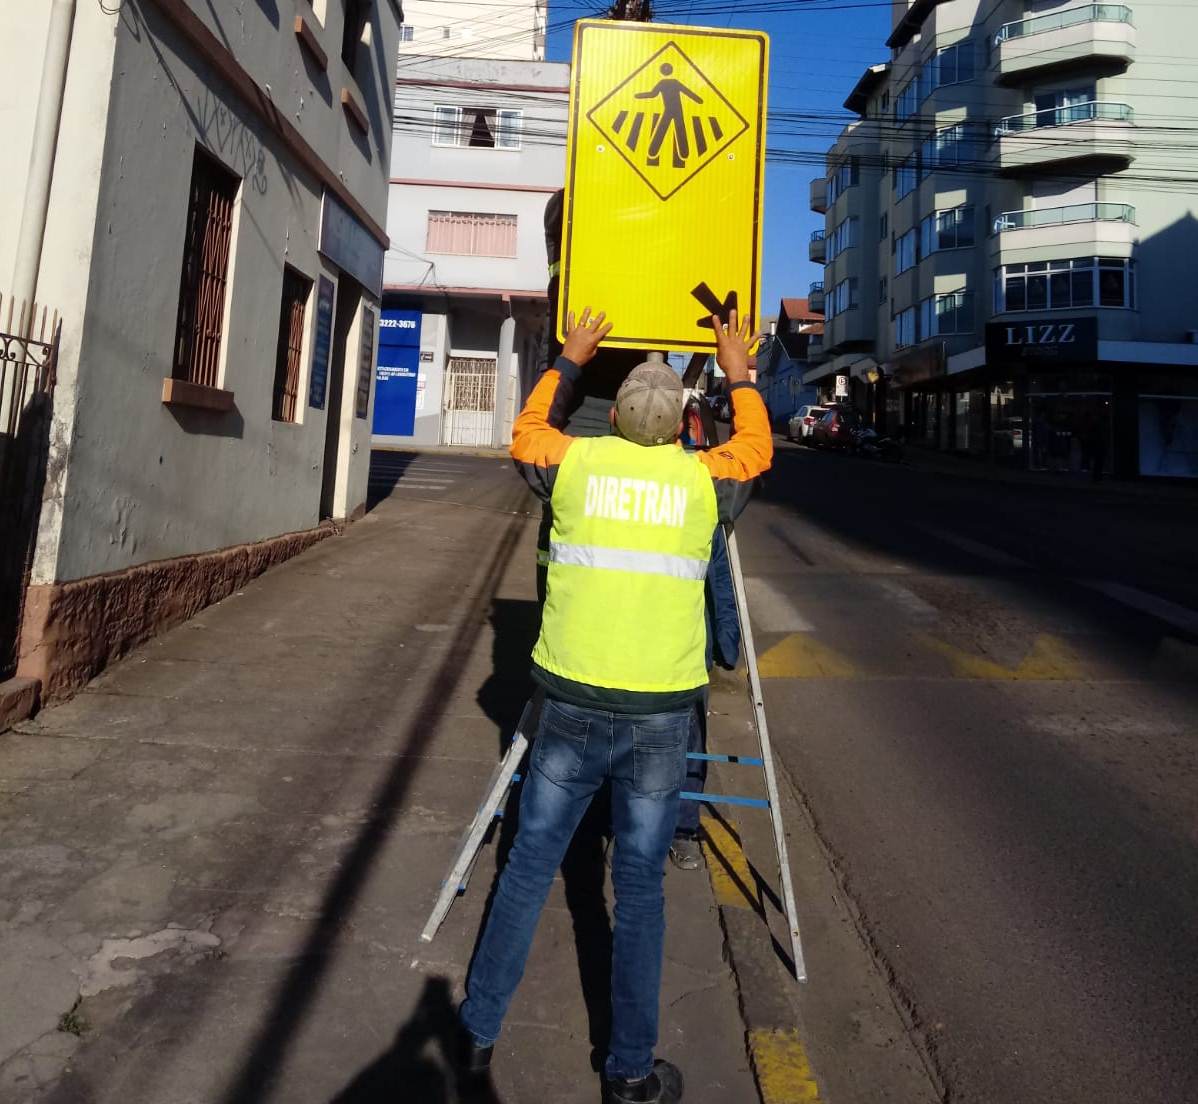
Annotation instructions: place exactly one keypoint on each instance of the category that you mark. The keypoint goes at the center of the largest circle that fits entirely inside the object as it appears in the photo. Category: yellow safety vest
(628, 555)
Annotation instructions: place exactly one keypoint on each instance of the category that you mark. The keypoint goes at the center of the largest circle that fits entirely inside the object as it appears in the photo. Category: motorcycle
(867, 442)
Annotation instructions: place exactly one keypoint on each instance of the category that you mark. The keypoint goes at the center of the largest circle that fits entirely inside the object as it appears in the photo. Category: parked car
(801, 424)
(835, 428)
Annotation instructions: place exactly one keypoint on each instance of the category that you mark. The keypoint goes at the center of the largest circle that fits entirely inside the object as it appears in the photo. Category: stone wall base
(18, 700)
(72, 631)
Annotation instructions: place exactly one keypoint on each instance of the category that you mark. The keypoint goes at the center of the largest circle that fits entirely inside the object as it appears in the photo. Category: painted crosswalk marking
(772, 609)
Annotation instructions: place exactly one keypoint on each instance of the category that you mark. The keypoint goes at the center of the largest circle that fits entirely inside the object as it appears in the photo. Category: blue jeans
(575, 750)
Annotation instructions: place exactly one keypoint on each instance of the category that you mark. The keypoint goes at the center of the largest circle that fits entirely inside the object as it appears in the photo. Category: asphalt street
(986, 696)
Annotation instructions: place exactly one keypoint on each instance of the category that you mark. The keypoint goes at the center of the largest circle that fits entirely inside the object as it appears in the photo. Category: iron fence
(29, 343)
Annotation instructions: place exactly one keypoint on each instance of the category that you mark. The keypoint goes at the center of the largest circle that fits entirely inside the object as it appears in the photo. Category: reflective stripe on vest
(626, 559)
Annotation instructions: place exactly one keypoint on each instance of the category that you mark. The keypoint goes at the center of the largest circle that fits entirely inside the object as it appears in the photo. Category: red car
(834, 429)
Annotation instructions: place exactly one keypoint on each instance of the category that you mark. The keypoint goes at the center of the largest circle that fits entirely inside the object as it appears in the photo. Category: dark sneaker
(473, 1058)
(662, 1086)
(685, 853)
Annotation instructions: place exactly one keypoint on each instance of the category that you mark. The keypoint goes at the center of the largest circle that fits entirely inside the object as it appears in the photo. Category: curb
(447, 450)
(773, 1039)
(919, 459)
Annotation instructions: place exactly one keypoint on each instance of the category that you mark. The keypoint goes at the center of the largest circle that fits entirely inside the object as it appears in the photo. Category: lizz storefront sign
(1038, 340)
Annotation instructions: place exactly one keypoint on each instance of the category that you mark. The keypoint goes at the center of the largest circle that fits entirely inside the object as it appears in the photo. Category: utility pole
(633, 11)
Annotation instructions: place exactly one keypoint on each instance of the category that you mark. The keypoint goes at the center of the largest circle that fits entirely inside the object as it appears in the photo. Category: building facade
(474, 28)
(783, 361)
(212, 235)
(478, 154)
(1009, 240)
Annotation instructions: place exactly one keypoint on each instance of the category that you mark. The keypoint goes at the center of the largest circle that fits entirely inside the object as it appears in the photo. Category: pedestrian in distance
(620, 658)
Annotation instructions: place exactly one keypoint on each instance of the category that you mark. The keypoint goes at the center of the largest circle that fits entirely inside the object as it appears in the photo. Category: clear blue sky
(816, 58)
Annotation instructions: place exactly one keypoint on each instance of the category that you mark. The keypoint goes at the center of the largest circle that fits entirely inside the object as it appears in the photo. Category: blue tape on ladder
(746, 760)
(725, 799)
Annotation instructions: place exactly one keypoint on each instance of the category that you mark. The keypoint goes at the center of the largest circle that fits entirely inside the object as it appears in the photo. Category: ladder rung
(740, 760)
(725, 799)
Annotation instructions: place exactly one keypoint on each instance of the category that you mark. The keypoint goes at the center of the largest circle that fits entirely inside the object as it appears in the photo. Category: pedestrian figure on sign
(671, 92)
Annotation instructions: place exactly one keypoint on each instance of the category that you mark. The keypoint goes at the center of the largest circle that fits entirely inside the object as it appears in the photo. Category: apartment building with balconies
(1020, 285)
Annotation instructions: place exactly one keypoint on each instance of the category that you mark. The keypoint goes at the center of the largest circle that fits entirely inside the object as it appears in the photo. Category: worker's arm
(538, 444)
(750, 449)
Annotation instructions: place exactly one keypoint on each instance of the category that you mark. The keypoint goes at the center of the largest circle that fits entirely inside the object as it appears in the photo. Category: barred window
(296, 287)
(207, 242)
(471, 233)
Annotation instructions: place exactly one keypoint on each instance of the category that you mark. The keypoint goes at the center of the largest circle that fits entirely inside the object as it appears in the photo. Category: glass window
(954, 64)
(846, 175)
(842, 297)
(477, 127)
(905, 176)
(907, 101)
(954, 228)
(510, 126)
(445, 125)
(904, 328)
(1037, 292)
(906, 252)
(1060, 285)
(843, 237)
(1112, 290)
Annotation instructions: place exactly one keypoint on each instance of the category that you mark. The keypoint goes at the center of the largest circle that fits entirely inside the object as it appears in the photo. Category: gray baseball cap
(649, 404)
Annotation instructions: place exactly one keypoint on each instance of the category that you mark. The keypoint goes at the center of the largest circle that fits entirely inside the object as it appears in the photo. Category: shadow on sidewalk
(421, 1066)
(296, 994)
(584, 872)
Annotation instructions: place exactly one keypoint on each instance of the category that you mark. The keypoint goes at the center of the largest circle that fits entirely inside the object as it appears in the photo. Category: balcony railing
(1088, 112)
(1070, 17)
(817, 285)
(817, 235)
(1060, 216)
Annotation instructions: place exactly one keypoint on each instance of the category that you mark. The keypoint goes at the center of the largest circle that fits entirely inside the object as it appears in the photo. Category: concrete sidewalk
(215, 862)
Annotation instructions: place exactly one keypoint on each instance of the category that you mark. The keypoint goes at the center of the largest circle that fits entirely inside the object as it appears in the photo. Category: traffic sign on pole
(665, 174)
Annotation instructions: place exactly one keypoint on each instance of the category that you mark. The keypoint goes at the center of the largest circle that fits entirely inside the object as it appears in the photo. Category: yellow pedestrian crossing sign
(664, 180)
(685, 124)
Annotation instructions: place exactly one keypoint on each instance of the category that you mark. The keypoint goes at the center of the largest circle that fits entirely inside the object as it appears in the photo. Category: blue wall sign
(396, 373)
(319, 381)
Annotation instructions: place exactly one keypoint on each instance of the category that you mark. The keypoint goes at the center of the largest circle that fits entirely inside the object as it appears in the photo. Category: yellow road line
(783, 1073)
(1048, 659)
(801, 655)
(732, 881)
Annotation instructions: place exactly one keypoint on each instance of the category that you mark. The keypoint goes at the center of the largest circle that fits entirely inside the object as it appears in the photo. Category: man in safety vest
(621, 659)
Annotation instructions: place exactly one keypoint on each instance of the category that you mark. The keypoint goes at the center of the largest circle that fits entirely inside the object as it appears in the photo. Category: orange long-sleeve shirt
(539, 445)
